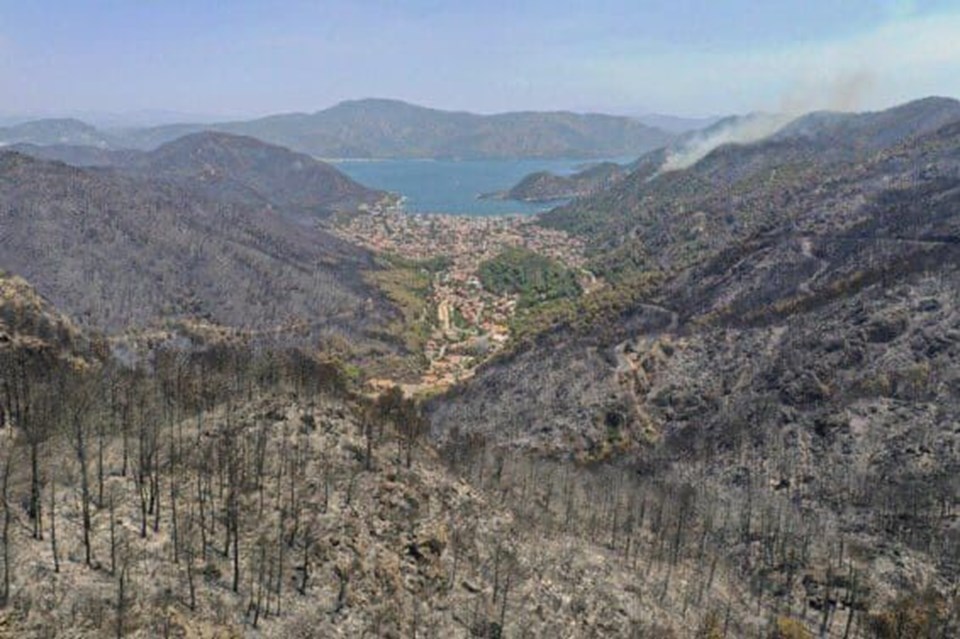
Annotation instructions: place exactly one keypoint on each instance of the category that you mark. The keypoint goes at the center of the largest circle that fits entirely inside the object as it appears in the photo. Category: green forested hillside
(533, 277)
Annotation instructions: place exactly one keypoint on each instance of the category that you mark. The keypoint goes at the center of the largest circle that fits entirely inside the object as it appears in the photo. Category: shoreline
(456, 187)
(398, 208)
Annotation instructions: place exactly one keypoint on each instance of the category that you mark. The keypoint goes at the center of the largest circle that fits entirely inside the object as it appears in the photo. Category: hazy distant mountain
(676, 124)
(76, 154)
(240, 168)
(112, 120)
(56, 131)
(142, 118)
(830, 136)
(686, 148)
(221, 162)
(377, 128)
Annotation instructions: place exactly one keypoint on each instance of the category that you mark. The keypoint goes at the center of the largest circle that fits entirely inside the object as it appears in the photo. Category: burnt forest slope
(232, 167)
(231, 490)
(221, 163)
(725, 192)
(115, 250)
(798, 351)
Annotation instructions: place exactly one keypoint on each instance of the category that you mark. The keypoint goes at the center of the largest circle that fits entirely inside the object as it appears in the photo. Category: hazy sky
(245, 57)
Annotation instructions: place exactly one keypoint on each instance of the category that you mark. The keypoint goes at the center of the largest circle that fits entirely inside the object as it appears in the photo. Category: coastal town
(469, 323)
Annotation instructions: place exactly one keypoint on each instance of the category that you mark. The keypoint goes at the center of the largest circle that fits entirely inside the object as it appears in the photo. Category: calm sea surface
(452, 186)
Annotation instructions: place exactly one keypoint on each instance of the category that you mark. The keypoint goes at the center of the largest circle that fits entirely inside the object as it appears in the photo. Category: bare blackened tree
(79, 397)
(7, 518)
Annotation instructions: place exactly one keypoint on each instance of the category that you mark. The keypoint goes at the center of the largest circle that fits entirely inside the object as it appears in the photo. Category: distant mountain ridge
(379, 128)
(637, 208)
(676, 124)
(296, 183)
(686, 148)
(75, 154)
(56, 131)
(224, 165)
(877, 129)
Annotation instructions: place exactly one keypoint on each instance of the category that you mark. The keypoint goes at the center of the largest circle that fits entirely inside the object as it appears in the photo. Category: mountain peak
(217, 140)
(64, 123)
(384, 106)
(294, 181)
(389, 128)
(376, 102)
(55, 131)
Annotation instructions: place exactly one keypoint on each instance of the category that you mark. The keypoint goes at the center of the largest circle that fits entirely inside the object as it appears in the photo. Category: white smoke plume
(739, 130)
(844, 92)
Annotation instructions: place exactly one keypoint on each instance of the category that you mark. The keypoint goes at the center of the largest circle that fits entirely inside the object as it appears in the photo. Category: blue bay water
(452, 186)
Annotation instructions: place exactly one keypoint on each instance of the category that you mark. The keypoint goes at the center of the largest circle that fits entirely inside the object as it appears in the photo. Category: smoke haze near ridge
(844, 92)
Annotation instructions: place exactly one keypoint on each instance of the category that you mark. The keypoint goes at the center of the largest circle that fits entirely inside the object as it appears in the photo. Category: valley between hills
(716, 394)
(455, 315)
